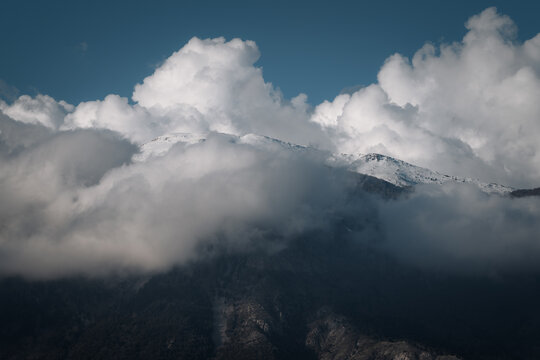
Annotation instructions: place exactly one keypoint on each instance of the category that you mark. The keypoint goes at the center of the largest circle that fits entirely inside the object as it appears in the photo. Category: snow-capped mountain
(394, 171)
(404, 174)
(160, 145)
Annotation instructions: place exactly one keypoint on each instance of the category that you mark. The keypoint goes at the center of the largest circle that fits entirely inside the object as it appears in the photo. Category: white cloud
(213, 68)
(116, 114)
(42, 109)
(213, 85)
(219, 195)
(468, 108)
(208, 85)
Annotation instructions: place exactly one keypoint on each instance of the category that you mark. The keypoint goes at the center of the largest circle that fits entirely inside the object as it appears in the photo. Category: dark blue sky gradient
(318, 48)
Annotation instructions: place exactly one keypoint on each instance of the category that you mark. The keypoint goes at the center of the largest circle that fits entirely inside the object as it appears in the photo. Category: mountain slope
(403, 174)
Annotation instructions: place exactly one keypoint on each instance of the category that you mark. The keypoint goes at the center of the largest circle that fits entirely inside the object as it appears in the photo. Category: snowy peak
(397, 172)
(160, 145)
(267, 142)
(403, 174)
(394, 171)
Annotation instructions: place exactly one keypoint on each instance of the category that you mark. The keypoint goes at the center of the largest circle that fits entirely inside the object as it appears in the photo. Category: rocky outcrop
(333, 337)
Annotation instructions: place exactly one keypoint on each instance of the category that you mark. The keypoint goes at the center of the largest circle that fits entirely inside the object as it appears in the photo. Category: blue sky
(84, 50)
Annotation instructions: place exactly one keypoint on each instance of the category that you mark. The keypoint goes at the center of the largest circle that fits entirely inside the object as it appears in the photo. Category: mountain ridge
(384, 167)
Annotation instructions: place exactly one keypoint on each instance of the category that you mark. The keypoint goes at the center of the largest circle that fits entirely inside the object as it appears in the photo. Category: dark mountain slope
(325, 296)
(310, 300)
(525, 192)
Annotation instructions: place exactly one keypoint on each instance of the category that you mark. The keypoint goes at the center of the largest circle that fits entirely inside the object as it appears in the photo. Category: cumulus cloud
(42, 109)
(16, 136)
(116, 114)
(217, 83)
(468, 108)
(93, 216)
(208, 85)
(77, 198)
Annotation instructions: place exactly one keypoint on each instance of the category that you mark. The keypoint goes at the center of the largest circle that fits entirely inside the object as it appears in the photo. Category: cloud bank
(221, 194)
(468, 108)
(457, 228)
(78, 199)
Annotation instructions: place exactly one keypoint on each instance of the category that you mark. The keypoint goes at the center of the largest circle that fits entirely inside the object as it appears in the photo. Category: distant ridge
(387, 168)
(404, 174)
